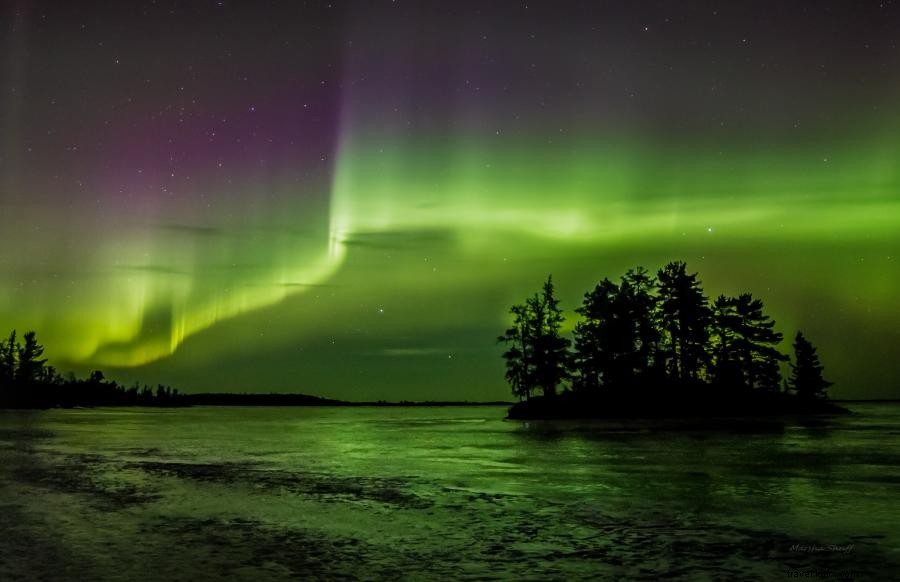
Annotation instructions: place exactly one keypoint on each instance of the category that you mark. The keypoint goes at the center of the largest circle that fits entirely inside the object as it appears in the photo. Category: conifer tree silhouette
(684, 317)
(806, 372)
(538, 356)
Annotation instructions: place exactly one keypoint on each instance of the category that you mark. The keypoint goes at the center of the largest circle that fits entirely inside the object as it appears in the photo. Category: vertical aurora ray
(146, 290)
(176, 199)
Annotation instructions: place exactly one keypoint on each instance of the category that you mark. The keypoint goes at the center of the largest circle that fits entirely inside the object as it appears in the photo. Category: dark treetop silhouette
(655, 346)
(26, 381)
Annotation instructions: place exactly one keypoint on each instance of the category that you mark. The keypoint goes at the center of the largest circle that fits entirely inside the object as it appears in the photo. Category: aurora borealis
(343, 198)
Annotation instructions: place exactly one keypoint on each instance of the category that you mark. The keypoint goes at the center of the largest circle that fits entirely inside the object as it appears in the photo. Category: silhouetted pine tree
(538, 355)
(520, 355)
(551, 349)
(806, 373)
(30, 367)
(598, 338)
(724, 324)
(684, 317)
(616, 343)
(756, 343)
(638, 288)
(743, 344)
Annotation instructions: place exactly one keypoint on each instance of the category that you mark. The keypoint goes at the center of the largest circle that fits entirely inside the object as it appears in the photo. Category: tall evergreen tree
(806, 373)
(538, 356)
(616, 342)
(638, 288)
(758, 338)
(30, 366)
(599, 338)
(551, 349)
(744, 344)
(684, 316)
(520, 354)
(723, 338)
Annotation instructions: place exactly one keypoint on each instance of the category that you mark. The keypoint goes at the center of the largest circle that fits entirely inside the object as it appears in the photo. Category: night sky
(344, 198)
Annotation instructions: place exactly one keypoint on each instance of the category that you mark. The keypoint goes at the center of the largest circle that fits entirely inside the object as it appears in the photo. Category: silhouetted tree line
(26, 381)
(651, 336)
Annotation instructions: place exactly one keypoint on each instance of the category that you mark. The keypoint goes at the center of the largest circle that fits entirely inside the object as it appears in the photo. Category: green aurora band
(385, 269)
(469, 209)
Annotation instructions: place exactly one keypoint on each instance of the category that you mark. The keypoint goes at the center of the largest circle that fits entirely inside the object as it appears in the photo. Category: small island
(656, 347)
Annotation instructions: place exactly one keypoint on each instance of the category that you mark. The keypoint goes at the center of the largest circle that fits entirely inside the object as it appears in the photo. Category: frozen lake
(441, 493)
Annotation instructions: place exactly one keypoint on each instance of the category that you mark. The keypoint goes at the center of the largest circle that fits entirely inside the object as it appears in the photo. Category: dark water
(442, 493)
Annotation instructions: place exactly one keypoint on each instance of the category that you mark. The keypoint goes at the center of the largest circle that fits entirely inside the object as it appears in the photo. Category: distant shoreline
(282, 399)
(249, 399)
(289, 399)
